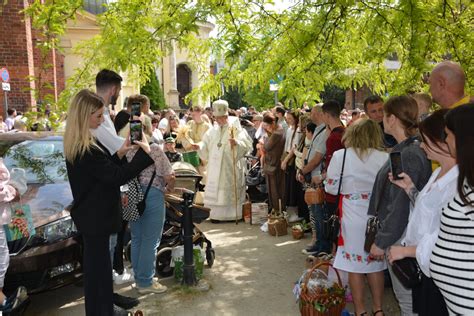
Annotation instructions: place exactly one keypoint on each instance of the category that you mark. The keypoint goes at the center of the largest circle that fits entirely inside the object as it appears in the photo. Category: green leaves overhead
(310, 43)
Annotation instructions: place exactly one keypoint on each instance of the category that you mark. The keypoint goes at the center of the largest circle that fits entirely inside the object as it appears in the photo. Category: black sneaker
(125, 301)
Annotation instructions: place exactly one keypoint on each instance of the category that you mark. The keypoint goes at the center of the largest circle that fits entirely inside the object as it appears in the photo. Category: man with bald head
(447, 82)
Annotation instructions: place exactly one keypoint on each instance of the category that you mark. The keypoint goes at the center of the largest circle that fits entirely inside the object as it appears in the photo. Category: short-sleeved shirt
(333, 144)
(318, 145)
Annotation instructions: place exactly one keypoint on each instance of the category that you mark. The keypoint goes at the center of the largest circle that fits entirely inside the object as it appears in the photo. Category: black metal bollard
(189, 275)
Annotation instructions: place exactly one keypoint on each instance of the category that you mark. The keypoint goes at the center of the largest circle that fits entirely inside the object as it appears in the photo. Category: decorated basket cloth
(327, 302)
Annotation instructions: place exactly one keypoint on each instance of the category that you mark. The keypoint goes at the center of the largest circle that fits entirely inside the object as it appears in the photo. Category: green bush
(152, 90)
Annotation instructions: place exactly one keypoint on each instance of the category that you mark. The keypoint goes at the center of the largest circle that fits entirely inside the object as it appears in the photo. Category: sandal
(379, 311)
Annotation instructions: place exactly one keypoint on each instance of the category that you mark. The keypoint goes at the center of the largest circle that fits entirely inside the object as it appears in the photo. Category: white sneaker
(125, 277)
(155, 287)
(294, 218)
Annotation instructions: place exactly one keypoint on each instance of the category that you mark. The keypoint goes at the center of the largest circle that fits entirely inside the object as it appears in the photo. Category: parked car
(52, 256)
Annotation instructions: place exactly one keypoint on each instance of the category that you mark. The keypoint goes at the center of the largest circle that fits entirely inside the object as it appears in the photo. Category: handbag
(332, 224)
(372, 227)
(370, 232)
(133, 199)
(407, 271)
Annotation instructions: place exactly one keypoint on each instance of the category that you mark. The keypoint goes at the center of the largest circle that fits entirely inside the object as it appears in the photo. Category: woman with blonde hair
(359, 164)
(389, 203)
(95, 178)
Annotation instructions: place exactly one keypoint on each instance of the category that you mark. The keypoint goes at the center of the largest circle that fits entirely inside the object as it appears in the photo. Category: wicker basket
(277, 226)
(307, 301)
(297, 234)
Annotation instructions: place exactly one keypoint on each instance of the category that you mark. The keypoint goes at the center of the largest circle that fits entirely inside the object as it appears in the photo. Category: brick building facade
(18, 53)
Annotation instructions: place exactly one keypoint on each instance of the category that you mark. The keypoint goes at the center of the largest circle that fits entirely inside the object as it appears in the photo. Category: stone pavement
(253, 274)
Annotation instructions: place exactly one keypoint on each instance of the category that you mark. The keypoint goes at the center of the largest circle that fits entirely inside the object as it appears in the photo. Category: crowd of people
(425, 212)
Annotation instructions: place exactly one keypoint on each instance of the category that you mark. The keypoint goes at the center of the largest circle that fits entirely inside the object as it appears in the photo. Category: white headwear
(220, 108)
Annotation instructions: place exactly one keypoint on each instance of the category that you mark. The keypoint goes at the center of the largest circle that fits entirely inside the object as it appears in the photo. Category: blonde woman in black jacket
(95, 178)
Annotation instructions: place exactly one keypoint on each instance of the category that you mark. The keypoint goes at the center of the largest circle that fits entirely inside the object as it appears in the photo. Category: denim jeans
(319, 214)
(146, 236)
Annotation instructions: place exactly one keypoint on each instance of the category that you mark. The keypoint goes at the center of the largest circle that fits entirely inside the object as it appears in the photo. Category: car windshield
(43, 160)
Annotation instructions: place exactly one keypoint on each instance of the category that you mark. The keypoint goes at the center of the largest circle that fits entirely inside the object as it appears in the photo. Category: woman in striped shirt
(452, 259)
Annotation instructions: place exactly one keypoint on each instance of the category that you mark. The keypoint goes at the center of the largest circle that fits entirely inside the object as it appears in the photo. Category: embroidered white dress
(357, 182)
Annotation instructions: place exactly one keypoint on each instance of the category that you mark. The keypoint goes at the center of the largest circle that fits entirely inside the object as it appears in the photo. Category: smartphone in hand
(136, 106)
(396, 165)
(135, 131)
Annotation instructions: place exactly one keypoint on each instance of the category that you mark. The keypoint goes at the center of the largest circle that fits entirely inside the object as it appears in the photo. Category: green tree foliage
(153, 91)
(311, 43)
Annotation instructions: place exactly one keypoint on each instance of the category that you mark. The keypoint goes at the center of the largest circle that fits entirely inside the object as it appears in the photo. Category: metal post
(6, 102)
(189, 275)
(276, 97)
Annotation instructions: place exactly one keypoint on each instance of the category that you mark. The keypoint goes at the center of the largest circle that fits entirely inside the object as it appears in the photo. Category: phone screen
(136, 109)
(396, 164)
(135, 131)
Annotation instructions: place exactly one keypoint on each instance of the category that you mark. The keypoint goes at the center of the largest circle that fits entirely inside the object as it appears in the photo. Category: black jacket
(95, 181)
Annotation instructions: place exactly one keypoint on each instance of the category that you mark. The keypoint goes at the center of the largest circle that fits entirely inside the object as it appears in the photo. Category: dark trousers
(275, 188)
(118, 254)
(98, 287)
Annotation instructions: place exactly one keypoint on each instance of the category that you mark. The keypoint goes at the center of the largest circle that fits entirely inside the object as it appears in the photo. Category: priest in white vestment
(224, 147)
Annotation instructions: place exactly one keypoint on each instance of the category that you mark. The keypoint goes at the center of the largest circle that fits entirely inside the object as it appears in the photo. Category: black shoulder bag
(142, 204)
(332, 224)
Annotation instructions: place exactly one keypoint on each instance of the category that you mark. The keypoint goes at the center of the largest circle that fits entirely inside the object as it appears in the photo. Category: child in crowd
(170, 150)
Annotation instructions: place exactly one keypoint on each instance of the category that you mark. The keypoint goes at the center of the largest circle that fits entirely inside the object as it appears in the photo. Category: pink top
(161, 165)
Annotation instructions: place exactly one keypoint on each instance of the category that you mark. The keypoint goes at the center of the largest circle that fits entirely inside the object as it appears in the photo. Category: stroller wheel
(210, 256)
(163, 263)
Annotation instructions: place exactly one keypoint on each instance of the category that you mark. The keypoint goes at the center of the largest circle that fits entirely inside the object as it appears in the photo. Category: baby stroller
(255, 181)
(186, 177)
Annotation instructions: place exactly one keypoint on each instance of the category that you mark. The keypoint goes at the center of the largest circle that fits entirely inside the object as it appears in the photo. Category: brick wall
(360, 95)
(20, 56)
(16, 53)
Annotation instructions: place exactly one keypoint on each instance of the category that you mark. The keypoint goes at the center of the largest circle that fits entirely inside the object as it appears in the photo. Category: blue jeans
(319, 215)
(146, 236)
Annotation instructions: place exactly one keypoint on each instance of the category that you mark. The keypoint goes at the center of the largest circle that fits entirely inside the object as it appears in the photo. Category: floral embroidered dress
(357, 182)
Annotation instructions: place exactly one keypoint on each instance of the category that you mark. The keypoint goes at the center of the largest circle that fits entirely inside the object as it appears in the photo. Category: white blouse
(424, 220)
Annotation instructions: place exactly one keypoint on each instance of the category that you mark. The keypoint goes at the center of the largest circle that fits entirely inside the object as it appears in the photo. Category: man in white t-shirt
(108, 85)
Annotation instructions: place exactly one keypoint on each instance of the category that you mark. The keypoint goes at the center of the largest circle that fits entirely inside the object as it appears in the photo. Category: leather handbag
(142, 204)
(407, 271)
(372, 226)
(370, 232)
(332, 224)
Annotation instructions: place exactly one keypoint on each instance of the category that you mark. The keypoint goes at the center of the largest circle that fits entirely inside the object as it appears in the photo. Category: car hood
(48, 202)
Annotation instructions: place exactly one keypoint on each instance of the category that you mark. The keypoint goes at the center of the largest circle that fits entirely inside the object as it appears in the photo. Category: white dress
(357, 182)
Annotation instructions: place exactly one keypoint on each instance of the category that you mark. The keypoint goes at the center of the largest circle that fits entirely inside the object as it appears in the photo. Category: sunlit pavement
(253, 274)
